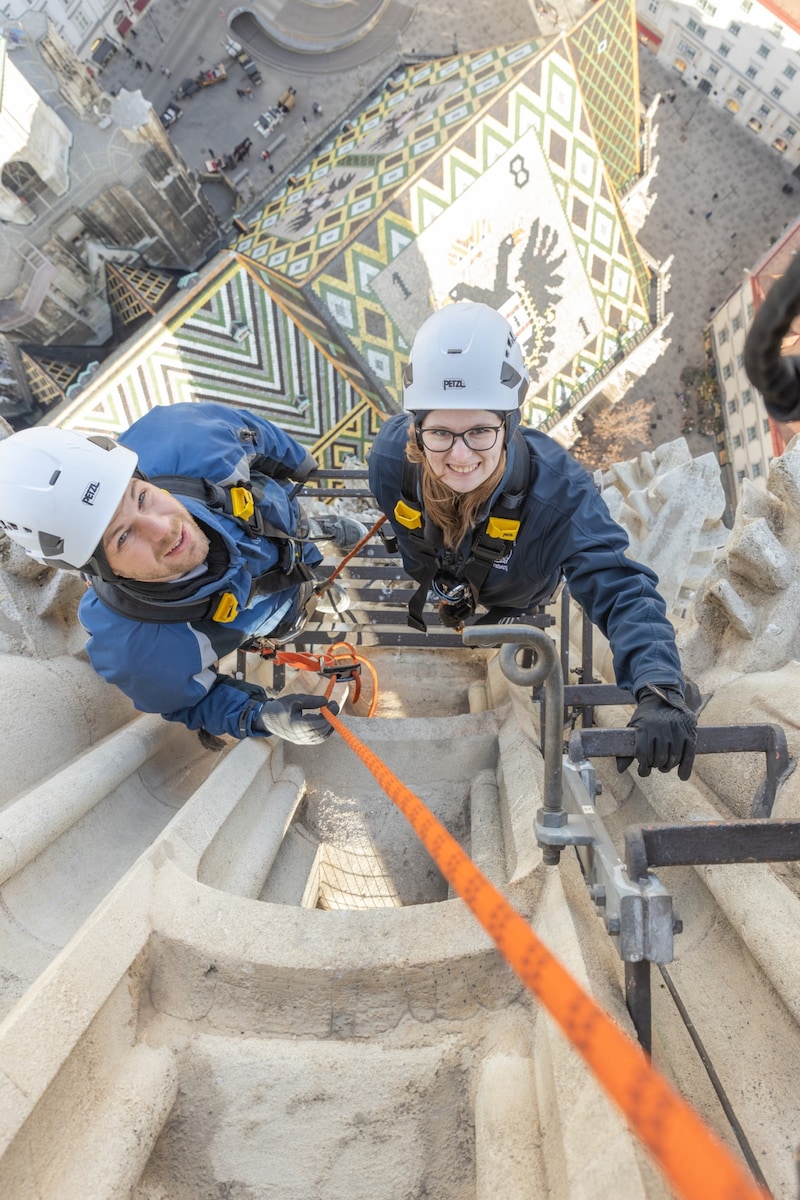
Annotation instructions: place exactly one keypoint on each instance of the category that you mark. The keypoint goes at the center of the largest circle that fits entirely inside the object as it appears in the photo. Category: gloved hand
(776, 376)
(666, 732)
(306, 467)
(454, 615)
(286, 718)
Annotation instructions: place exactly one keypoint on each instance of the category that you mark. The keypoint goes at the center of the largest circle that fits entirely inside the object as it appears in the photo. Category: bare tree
(613, 433)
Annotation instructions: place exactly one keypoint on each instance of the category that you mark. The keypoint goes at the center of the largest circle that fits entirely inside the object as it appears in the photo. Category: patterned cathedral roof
(491, 176)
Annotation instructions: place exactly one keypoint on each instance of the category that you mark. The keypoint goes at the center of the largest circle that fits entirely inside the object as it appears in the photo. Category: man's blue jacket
(565, 527)
(171, 668)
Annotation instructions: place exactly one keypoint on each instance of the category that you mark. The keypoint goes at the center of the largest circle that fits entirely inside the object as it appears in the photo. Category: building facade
(94, 29)
(744, 55)
(749, 440)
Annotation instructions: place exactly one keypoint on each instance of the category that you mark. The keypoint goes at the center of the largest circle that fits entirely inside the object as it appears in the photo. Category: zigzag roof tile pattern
(491, 177)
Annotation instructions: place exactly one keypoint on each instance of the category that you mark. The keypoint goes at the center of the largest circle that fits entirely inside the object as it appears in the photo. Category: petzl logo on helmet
(90, 493)
(453, 383)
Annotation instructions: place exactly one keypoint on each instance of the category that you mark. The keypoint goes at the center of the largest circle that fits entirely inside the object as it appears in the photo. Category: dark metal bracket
(769, 740)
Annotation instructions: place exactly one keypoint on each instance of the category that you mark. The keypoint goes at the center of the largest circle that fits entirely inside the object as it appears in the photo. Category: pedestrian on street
(305, 119)
(457, 464)
(265, 155)
(179, 575)
(715, 196)
(166, 71)
(709, 214)
(270, 168)
(147, 64)
(128, 51)
(316, 108)
(138, 64)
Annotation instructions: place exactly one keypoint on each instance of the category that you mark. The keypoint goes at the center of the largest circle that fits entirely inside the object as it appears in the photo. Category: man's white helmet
(58, 492)
(465, 356)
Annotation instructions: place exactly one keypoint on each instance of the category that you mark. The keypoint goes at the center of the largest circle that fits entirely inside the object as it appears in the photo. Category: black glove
(666, 732)
(454, 615)
(285, 718)
(776, 376)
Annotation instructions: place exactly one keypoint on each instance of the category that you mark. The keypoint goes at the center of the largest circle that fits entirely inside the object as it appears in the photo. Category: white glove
(285, 718)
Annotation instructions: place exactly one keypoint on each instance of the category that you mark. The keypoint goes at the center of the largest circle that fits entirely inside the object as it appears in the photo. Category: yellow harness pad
(227, 609)
(502, 528)
(410, 517)
(242, 503)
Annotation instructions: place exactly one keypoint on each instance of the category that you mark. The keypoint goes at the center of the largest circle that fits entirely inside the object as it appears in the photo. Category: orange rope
(693, 1160)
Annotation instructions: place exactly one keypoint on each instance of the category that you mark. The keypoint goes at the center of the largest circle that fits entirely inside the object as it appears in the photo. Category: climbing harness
(458, 584)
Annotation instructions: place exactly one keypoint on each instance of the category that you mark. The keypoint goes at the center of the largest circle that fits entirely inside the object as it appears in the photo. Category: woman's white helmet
(465, 356)
(58, 492)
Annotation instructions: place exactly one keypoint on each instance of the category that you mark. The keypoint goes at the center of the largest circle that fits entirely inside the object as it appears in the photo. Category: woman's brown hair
(455, 513)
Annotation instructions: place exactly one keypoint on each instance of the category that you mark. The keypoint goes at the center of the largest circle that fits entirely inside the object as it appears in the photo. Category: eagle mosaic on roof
(488, 177)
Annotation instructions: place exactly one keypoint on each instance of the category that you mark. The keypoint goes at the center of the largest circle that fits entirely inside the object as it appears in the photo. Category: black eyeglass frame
(454, 436)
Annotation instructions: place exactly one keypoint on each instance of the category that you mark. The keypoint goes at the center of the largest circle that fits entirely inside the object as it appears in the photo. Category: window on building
(686, 50)
(747, 396)
(766, 424)
(734, 29)
(737, 323)
(752, 433)
(740, 92)
(764, 111)
(695, 27)
(763, 50)
(737, 441)
(727, 371)
(751, 72)
(713, 70)
(731, 406)
(740, 361)
(756, 469)
(777, 30)
(776, 93)
(653, 6)
(746, 5)
(704, 6)
(789, 132)
(724, 49)
(749, 312)
(789, 71)
(722, 337)
(741, 476)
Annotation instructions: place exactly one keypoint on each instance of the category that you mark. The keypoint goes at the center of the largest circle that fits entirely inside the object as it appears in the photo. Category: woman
(490, 515)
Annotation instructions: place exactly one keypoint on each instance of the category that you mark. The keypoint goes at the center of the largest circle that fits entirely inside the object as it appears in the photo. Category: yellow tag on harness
(408, 516)
(502, 528)
(227, 609)
(242, 504)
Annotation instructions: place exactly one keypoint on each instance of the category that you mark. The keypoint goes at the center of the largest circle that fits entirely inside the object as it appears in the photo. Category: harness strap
(492, 540)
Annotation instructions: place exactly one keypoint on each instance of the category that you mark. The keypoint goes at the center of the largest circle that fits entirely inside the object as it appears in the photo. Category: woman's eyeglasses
(482, 437)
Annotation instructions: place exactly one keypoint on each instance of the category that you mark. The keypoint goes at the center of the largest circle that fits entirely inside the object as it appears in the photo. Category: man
(186, 529)
(490, 514)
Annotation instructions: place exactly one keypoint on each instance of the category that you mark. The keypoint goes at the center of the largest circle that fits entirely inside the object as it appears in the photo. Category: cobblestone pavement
(186, 36)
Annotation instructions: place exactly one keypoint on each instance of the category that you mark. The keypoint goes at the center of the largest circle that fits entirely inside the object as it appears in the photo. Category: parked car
(171, 114)
(237, 51)
(187, 88)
